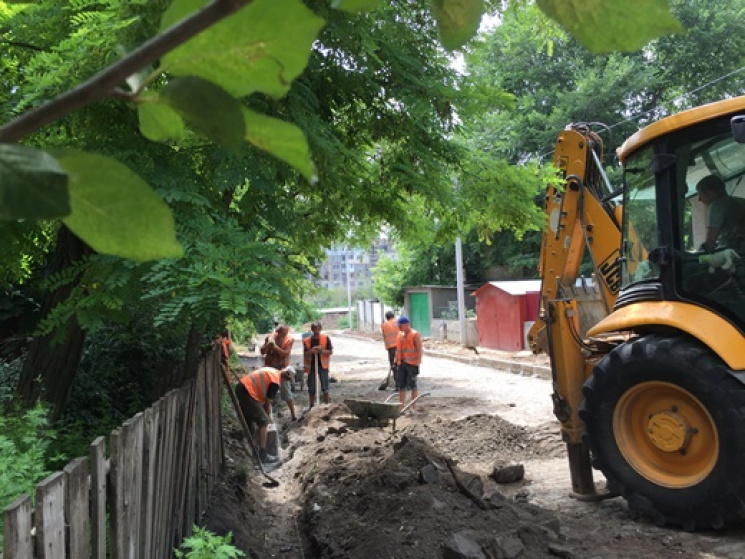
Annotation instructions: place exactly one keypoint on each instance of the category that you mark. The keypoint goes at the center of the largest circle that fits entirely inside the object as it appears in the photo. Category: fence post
(77, 489)
(97, 455)
(50, 517)
(17, 542)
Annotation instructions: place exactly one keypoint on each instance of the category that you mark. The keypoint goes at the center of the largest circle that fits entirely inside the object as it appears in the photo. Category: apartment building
(357, 262)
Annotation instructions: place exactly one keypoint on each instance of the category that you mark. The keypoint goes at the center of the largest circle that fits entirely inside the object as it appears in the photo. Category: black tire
(698, 486)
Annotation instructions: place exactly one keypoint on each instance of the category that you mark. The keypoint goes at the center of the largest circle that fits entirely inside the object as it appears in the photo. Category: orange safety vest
(257, 383)
(325, 359)
(226, 348)
(282, 361)
(406, 351)
(390, 332)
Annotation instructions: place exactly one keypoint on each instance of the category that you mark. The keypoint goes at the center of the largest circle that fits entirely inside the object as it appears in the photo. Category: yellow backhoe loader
(648, 355)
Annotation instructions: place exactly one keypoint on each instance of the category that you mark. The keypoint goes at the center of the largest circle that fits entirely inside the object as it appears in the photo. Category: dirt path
(424, 490)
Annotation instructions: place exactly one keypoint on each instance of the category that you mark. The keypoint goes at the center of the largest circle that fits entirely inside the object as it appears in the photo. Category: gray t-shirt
(728, 215)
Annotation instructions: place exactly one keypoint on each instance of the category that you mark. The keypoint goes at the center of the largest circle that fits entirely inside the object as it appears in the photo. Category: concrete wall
(449, 330)
(446, 298)
(371, 314)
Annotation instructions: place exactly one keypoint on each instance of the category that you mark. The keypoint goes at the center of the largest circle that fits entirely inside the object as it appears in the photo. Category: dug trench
(426, 490)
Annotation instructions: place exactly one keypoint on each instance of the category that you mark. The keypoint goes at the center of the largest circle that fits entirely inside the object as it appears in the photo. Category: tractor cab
(684, 212)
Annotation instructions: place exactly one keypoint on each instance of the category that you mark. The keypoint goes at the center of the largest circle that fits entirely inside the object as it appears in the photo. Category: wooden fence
(143, 500)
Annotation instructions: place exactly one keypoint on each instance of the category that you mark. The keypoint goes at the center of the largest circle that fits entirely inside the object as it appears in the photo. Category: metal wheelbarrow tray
(369, 411)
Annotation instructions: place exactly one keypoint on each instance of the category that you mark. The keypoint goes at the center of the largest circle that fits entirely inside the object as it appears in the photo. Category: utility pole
(349, 288)
(461, 292)
(459, 283)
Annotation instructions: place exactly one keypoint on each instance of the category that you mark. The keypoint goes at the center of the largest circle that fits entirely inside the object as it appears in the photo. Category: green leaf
(356, 6)
(282, 139)
(612, 25)
(262, 47)
(208, 108)
(160, 122)
(457, 20)
(32, 184)
(115, 211)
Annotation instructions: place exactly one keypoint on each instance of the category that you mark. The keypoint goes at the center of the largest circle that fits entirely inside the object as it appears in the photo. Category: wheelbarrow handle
(407, 406)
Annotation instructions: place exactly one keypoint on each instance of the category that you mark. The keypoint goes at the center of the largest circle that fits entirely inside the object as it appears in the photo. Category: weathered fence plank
(149, 464)
(97, 457)
(126, 477)
(164, 426)
(50, 517)
(115, 484)
(217, 419)
(133, 429)
(184, 398)
(77, 516)
(168, 480)
(17, 540)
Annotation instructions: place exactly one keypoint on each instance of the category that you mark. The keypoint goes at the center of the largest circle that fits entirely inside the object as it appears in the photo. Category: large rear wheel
(665, 422)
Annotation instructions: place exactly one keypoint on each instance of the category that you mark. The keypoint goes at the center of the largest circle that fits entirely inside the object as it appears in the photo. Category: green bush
(10, 372)
(203, 544)
(343, 323)
(452, 314)
(24, 440)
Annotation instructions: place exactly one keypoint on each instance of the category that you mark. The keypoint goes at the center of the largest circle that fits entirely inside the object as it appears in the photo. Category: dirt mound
(484, 438)
(403, 500)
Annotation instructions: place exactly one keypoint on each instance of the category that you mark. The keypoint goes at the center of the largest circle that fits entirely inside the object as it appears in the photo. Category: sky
(488, 22)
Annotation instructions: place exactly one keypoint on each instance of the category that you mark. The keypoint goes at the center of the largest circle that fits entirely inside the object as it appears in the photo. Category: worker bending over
(255, 393)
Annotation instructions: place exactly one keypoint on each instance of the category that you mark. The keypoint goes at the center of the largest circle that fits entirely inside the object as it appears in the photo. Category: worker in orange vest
(255, 393)
(277, 348)
(408, 359)
(390, 334)
(317, 351)
(225, 347)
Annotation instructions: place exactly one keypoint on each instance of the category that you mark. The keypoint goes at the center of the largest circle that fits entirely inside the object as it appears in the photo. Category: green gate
(419, 309)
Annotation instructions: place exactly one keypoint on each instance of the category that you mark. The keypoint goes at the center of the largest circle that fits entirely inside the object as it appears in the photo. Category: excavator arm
(582, 220)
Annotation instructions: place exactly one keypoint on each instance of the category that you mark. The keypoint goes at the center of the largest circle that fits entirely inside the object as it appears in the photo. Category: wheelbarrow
(371, 412)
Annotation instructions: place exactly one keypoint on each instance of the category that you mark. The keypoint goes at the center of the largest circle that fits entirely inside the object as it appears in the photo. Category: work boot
(267, 458)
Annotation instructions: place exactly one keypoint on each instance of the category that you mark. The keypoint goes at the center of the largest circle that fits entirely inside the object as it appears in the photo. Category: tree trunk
(193, 352)
(49, 370)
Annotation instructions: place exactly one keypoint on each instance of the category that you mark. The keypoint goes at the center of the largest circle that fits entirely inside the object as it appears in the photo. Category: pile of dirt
(409, 500)
(485, 439)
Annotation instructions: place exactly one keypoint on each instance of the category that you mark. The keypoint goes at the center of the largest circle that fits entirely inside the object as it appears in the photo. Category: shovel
(244, 425)
(387, 381)
(406, 407)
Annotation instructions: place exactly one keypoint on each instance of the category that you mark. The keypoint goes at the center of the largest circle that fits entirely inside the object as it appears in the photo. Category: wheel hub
(669, 431)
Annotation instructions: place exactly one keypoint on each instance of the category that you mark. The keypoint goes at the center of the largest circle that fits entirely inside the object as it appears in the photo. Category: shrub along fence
(142, 501)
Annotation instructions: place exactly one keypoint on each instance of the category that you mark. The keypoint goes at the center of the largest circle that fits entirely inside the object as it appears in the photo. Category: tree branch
(106, 81)
(20, 44)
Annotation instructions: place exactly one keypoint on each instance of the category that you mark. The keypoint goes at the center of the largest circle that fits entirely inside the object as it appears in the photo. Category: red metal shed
(502, 308)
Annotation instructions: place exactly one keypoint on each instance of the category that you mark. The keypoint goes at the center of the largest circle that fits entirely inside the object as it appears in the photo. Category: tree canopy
(205, 151)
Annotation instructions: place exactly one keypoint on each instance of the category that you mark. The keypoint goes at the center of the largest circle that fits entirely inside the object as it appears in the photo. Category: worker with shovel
(255, 393)
(390, 334)
(317, 350)
(408, 358)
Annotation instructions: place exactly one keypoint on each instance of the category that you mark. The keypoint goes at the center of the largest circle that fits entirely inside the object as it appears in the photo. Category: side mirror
(737, 124)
